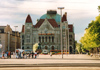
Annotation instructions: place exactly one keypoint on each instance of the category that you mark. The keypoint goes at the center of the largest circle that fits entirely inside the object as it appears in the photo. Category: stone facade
(47, 33)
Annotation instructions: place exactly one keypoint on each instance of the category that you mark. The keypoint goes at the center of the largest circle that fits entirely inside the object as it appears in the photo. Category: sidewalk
(54, 61)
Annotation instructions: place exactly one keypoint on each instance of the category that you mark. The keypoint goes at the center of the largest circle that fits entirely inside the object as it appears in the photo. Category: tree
(91, 38)
(79, 47)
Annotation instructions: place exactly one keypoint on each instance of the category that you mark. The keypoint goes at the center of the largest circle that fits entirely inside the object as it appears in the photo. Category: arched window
(52, 39)
(46, 39)
(42, 39)
(49, 39)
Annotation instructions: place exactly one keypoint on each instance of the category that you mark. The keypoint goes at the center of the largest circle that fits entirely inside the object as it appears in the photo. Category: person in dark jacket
(32, 54)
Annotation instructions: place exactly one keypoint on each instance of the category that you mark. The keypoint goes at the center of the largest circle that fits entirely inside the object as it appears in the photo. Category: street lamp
(15, 38)
(68, 39)
(0, 51)
(61, 29)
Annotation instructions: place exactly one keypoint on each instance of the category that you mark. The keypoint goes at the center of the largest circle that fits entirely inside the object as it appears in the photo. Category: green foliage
(79, 47)
(91, 38)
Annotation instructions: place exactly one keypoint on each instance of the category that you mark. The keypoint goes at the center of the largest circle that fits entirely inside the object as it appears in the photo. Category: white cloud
(80, 12)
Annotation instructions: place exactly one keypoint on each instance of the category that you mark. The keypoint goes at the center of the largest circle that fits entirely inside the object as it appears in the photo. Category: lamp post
(68, 39)
(15, 38)
(61, 29)
(0, 51)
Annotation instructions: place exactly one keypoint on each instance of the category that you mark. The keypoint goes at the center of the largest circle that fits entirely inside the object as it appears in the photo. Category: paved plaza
(69, 62)
(55, 59)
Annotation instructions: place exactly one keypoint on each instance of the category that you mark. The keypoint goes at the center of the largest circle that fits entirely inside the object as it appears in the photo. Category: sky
(79, 12)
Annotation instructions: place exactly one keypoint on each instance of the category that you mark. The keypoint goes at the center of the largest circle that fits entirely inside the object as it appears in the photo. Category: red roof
(23, 29)
(64, 18)
(39, 23)
(28, 19)
(51, 21)
(71, 28)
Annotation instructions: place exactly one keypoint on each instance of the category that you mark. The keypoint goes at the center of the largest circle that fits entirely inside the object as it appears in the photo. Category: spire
(64, 18)
(28, 19)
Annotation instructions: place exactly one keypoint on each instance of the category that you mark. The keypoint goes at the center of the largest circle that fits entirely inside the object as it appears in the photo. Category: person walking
(50, 53)
(32, 54)
(23, 54)
(35, 54)
(29, 55)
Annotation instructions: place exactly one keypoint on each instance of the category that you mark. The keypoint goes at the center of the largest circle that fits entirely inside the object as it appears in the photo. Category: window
(49, 39)
(28, 40)
(57, 40)
(70, 36)
(42, 39)
(28, 48)
(22, 42)
(46, 39)
(70, 40)
(28, 36)
(39, 39)
(52, 39)
(22, 36)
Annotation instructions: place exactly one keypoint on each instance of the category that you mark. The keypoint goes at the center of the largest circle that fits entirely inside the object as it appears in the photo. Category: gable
(46, 26)
(51, 21)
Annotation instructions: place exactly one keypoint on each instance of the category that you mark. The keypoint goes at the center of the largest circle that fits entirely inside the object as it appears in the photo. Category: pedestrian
(32, 54)
(9, 54)
(35, 54)
(23, 54)
(50, 53)
(3, 54)
(29, 54)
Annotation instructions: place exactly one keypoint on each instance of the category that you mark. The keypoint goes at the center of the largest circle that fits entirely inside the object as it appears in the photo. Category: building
(46, 32)
(7, 38)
